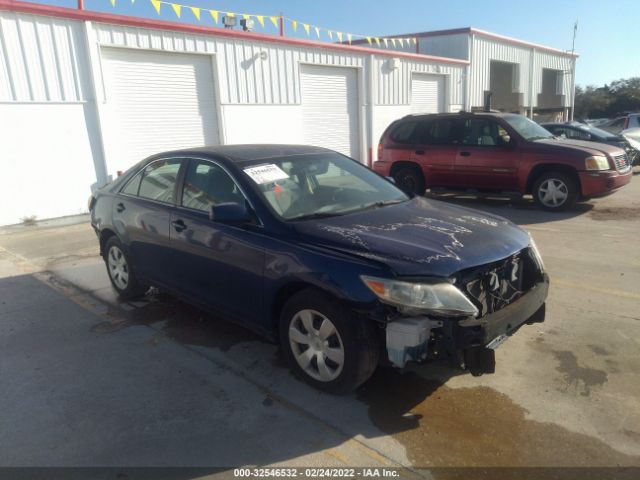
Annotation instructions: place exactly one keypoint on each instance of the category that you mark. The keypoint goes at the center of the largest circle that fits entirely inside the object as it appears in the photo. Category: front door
(487, 157)
(218, 265)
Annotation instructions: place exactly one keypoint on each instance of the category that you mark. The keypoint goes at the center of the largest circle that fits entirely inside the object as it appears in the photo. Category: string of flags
(310, 30)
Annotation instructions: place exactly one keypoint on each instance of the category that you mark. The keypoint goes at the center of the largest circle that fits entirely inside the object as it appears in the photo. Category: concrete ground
(89, 381)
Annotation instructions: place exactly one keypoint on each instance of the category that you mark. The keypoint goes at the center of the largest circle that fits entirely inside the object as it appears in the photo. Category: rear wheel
(410, 180)
(122, 276)
(324, 345)
(555, 191)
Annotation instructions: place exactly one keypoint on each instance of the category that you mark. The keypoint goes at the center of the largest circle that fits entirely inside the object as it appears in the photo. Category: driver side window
(207, 185)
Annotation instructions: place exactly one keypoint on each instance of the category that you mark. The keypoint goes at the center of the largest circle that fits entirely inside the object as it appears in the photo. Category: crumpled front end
(508, 294)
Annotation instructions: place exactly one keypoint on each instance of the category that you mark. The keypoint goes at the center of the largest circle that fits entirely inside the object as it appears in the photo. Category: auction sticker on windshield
(266, 173)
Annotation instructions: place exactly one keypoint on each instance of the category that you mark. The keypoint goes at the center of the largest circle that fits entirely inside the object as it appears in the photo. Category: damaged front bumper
(469, 342)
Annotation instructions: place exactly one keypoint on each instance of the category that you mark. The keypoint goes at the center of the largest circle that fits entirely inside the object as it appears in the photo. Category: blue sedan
(319, 253)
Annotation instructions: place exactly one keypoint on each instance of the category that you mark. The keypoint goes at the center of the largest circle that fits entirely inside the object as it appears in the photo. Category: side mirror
(230, 213)
(391, 179)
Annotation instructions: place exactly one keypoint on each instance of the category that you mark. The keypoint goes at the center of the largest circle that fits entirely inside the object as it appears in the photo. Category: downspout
(469, 73)
(370, 100)
(531, 67)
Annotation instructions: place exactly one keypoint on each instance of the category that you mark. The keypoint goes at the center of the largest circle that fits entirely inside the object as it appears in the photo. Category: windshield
(320, 185)
(527, 129)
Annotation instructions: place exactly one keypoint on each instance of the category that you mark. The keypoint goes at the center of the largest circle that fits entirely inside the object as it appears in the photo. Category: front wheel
(555, 191)
(324, 345)
(121, 274)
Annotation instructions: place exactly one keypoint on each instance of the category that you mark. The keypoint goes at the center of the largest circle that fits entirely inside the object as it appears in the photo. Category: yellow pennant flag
(156, 4)
(414, 40)
(386, 42)
(339, 35)
(231, 14)
(330, 33)
(246, 16)
(317, 29)
(113, 3)
(274, 20)
(176, 8)
(401, 42)
(196, 12)
(349, 37)
(294, 25)
(260, 20)
(214, 15)
(393, 41)
(369, 40)
(306, 28)
(377, 41)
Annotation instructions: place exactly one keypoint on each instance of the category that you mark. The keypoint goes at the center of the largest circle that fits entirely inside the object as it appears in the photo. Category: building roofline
(483, 33)
(140, 22)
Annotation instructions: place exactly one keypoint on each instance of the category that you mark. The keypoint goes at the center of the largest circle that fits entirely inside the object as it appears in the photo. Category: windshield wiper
(310, 216)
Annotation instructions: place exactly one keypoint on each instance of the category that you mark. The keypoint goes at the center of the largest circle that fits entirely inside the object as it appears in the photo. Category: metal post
(80, 4)
(281, 21)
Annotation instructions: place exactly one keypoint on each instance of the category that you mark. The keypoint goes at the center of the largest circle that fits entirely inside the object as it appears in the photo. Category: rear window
(404, 133)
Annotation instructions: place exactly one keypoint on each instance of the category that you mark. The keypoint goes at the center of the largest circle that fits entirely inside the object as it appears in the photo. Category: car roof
(459, 114)
(249, 152)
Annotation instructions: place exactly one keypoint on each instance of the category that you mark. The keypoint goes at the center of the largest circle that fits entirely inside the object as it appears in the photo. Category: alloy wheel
(316, 345)
(118, 267)
(553, 192)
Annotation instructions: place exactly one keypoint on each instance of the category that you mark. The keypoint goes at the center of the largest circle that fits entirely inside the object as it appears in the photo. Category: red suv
(501, 153)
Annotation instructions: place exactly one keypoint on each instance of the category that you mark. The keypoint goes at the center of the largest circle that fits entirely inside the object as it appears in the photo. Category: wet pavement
(565, 393)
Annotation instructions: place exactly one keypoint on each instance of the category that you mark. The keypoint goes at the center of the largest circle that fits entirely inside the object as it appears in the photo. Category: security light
(229, 22)
(247, 24)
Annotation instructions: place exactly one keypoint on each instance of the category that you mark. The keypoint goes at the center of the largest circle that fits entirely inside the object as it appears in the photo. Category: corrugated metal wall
(42, 59)
(393, 85)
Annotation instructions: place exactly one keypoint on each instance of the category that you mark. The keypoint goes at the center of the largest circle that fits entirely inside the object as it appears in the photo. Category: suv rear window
(404, 133)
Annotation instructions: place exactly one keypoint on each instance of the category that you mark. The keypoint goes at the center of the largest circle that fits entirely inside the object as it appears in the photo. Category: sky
(606, 40)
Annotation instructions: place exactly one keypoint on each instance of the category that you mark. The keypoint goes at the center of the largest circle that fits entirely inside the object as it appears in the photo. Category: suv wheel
(122, 277)
(324, 345)
(410, 180)
(555, 191)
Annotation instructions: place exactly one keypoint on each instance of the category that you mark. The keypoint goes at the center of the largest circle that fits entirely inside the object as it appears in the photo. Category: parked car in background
(619, 124)
(577, 131)
(309, 247)
(499, 153)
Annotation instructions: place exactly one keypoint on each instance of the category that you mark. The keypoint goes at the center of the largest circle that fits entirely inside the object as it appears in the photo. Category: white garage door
(156, 101)
(330, 108)
(427, 93)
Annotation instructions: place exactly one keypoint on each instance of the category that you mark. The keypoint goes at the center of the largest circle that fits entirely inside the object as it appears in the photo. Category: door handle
(465, 154)
(120, 207)
(419, 152)
(178, 225)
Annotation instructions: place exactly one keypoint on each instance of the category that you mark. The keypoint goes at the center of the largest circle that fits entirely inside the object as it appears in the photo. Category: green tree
(610, 100)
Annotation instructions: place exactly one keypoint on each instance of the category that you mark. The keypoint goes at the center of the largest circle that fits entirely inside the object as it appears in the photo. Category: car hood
(418, 237)
(587, 147)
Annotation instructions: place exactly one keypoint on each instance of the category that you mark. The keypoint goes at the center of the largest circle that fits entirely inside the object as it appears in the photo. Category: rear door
(487, 157)
(437, 143)
(141, 216)
(219, 265)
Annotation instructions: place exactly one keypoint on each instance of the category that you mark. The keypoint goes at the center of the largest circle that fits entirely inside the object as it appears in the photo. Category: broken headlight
(536, 254)
(441, 298)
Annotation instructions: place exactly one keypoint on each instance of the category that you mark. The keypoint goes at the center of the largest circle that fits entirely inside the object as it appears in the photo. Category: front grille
(494, 286)
(621, 161)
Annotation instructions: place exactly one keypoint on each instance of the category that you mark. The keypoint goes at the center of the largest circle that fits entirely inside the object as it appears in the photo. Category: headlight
(597, 162)
(536, 254)
(442, 298)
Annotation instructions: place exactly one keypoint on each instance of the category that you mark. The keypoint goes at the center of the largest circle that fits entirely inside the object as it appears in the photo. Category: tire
(357, 340)
(122, 277)
(555, 191)
(410, 180)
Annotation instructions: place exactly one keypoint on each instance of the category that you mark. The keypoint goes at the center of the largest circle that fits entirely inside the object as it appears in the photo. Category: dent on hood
(451, 233)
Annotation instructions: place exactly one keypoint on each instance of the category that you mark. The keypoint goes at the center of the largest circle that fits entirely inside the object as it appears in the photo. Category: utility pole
(573, 70)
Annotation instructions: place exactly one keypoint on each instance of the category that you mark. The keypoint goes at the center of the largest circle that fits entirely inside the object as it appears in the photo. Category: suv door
(487, 157)
(141, 216)
(218, 265)
(437, 143)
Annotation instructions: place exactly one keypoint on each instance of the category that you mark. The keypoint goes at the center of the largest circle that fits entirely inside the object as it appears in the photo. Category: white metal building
(84, 95)
(523, 77)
